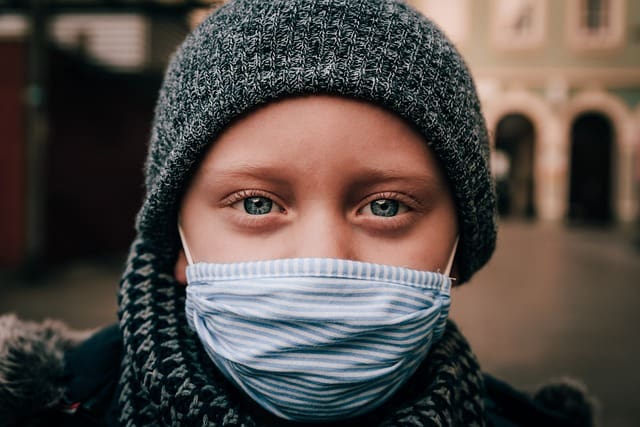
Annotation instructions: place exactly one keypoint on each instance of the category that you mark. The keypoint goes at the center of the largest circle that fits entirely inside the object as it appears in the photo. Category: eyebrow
(422, 180)
(247, 170)
(369, 174)
(365, 178)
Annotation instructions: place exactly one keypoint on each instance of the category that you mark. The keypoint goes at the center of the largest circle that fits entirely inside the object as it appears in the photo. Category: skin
(337, 178)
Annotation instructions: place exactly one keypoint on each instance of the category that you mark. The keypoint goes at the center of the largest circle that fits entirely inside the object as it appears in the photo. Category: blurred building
(559, 83)
(78, 82)
(560, 87)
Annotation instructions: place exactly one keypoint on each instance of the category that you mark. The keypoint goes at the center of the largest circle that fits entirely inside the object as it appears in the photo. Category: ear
(180, 268)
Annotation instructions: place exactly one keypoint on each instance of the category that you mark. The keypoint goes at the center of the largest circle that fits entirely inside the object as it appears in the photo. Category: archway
(590, 177)
(514, 145)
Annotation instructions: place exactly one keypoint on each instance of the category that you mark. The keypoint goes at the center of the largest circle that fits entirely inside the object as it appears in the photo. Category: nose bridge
(324, 232)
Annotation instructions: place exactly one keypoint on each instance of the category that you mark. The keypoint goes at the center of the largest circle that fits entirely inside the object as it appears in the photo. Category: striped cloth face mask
(315, 339)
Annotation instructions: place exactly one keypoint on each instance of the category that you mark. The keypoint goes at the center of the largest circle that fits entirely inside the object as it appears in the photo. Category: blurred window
(115, 40)
(595, 15)
(594, 25)
(13, 26)
(518, 25)
(451, 15)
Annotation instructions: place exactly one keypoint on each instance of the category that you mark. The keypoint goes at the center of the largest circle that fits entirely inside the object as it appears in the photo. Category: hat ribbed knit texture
(251, 52)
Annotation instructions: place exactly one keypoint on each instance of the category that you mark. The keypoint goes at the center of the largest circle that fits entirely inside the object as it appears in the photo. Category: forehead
(306, 133)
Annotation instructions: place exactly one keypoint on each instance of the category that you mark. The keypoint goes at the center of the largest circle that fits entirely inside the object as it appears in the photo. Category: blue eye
(384, 207)
(257, 205)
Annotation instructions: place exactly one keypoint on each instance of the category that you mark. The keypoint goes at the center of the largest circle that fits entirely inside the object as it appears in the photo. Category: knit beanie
(252, 52)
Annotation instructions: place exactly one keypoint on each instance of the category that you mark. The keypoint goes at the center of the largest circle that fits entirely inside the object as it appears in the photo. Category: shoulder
(564, 403)
(50, 374)
(92, 372)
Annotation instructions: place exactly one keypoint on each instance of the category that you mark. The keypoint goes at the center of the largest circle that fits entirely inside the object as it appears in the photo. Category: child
(318, 169)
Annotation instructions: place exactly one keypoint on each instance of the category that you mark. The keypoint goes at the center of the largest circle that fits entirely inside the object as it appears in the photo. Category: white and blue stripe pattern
(316, 339)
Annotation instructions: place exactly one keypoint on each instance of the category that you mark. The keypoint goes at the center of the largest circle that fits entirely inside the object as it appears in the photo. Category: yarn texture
(249, 53)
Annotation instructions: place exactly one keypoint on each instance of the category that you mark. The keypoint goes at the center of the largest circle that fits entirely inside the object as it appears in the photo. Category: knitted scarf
(168, 379)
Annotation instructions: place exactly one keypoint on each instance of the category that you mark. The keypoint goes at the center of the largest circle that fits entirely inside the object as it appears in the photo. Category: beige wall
(551, 83)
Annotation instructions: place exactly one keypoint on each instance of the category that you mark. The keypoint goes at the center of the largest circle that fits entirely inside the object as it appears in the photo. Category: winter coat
(52, 376)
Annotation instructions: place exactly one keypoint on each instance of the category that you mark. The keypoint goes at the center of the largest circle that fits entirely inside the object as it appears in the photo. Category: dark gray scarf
(168, 379)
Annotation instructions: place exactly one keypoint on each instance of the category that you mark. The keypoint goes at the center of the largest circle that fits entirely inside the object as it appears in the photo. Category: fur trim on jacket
(32, 367)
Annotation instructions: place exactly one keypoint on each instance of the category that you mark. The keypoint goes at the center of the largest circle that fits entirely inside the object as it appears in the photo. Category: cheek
(418, 255)
(428, 245)
(229, 246)
(180, 269)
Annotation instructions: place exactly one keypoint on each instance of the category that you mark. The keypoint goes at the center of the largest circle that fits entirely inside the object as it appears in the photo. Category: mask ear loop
(447, 271)
(187, 252)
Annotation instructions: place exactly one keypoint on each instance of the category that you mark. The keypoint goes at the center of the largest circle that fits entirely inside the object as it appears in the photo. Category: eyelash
(408, 201)
(392, 223)
(411, 203)
(378, 223)
(257, 222)
(245, 194)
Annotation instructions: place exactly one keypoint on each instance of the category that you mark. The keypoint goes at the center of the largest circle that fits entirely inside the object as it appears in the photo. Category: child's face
(319, 176)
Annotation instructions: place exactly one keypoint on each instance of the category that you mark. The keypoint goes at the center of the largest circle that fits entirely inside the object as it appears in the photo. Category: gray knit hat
(251, 52)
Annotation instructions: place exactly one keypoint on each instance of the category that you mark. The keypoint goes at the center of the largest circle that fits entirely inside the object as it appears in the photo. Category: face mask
(316, 339)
